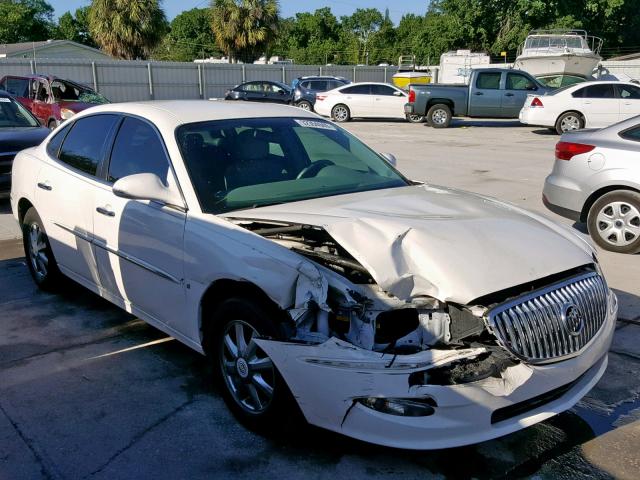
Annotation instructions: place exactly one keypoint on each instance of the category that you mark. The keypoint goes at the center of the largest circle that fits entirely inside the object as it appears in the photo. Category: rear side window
(53, 147)
(629, 91)
(84, 147)
(318, 85)
(18, 87)
(488, 80)
(604, 90)
(137, 149)
(357, 90)
(632, 134)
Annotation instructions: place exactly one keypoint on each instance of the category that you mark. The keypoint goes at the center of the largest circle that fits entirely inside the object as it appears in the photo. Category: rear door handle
(478, 93)
(508, 94)
(105, 211)
(45, 186)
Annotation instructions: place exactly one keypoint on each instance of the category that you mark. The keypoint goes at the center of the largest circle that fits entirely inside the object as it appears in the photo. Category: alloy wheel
(247, 371)
(340, 113)
(570, 122)
(439, 116)
(38, 251)
(618, 223)
(304, 106)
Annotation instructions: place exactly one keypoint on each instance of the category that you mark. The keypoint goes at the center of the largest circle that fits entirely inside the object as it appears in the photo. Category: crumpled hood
(440, 242)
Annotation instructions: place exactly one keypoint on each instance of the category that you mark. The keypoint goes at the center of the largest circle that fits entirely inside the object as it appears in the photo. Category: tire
(340, 113)
(37, 250)
(52, 124)
(415, 118)
(439, 116)
(569, 121)
(614, 221)
(305, 105)
(245, 378)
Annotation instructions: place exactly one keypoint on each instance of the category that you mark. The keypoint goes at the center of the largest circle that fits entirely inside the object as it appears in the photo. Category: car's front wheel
(614, 221)
(252, 387)
(37, 249)
(569, 121)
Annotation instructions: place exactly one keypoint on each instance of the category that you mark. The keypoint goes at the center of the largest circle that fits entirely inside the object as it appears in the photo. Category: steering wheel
(313, 169)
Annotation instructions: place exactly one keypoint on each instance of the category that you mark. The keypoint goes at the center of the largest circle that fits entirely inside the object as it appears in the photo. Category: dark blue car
(305, 89)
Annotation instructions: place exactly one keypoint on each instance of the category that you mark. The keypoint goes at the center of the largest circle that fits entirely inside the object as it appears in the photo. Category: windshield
(249, 163)
(555, 41)
(72, 92)
(13, 114)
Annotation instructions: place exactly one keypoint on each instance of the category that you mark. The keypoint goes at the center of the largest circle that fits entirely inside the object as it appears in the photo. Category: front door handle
(105, 211)
(45, 186)
(508, 94)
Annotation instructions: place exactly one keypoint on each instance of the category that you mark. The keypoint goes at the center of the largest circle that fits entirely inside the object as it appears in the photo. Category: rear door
(517, 87)
(139, 244)
(65, 193)
(359, 100)
(388, 102)
(485, 93)
(599, 104)
(629, 101)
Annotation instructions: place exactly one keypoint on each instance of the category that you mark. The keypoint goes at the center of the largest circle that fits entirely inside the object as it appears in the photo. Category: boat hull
(563, 64)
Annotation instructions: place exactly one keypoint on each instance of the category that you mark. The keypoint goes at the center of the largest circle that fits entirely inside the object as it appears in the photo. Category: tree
(25, 21)
(190, 37)
(75, 27)
(244, 29)
(127, 29)
(364, 23)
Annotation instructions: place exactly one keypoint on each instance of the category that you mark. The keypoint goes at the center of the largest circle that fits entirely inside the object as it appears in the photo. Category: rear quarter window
(632, 134)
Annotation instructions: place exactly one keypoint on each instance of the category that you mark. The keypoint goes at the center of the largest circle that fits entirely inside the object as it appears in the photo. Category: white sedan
(364, 100)
(314, 275)
(594, 104)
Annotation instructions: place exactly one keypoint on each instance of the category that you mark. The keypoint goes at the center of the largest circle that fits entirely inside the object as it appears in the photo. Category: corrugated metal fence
(123, 80)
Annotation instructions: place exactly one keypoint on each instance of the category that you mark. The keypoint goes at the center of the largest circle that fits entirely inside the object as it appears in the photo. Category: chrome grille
(552, 323)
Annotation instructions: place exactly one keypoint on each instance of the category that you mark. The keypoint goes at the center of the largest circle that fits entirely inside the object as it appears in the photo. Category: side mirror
(396, 93)
(146, 186)
(391, 158)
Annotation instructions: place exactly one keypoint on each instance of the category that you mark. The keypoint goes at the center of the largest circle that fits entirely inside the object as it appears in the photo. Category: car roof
(321, 77)
(33, 76)
(172, 113)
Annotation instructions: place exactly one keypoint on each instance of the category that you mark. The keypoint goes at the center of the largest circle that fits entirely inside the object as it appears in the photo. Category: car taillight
(412, 96)
(536, 103)
(320, 98)
(567, 150)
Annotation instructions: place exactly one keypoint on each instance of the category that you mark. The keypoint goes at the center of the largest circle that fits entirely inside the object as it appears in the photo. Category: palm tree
(244, 28)
(127, 29)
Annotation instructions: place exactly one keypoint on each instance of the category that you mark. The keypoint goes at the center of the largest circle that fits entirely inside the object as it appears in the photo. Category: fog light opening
(401, 407)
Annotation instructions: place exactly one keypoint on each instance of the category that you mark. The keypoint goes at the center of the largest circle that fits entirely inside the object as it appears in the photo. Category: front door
(41, 106)
(139, 244)
(485, 98)
(388, 102)
(65, 192)
(629, 101)
(517, 87)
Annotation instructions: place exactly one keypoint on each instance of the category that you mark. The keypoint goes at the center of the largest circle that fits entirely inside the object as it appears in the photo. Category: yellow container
(404, 79)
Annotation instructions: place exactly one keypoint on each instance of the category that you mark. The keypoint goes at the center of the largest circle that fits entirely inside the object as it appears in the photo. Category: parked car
(491, 93)
(314, 275)
(593, 104)
(364, 100)
(18, 130)
(261, 91)
(596, 180)
(306, 88)
(51, 99)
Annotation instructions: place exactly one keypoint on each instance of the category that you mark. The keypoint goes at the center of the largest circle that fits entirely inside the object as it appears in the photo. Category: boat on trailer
(555, 54)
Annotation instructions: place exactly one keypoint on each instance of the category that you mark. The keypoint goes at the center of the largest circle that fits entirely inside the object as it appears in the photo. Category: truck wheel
(614, 221)
(341, 113)
(439, 116)
(569, 121)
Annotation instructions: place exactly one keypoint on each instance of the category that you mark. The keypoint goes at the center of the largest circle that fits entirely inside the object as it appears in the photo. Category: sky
(288, 8)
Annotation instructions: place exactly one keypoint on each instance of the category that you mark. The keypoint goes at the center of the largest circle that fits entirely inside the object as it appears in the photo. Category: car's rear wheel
(412, 118)
(614, 221)
(251, 386)
(569, 121)
(341, 113)
(37, 249)
(305, 105)
(439, 116)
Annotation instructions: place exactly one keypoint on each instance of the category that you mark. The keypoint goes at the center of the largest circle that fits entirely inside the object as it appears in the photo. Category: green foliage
(190, 37)
(127, 29)
(75, 27)
(25, 21)
(244, 29)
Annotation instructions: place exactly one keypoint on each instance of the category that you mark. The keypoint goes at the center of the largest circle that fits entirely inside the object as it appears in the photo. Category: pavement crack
(139, 436)
(46, 472)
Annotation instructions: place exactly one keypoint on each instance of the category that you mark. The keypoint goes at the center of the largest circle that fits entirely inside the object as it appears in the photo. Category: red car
(51, 99)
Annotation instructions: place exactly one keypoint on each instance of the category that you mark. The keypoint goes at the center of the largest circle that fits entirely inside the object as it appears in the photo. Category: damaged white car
(311, 271)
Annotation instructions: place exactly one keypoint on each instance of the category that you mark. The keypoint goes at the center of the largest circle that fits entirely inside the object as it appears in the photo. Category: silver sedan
(596, 179)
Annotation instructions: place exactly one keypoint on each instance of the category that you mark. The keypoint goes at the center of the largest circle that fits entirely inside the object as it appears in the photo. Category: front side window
(137, 149)
(383, 90)
(488, 80)
(515, 81)
(63, 90)
(248, 163)
(629, 92)
(84, 146)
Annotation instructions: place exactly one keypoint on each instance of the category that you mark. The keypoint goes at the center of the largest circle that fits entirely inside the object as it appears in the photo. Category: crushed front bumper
(328, 379)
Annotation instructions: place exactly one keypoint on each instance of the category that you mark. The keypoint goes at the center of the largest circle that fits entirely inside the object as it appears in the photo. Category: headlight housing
(66, 113)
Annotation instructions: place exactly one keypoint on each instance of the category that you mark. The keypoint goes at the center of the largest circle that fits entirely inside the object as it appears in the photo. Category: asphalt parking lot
(88, 391)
